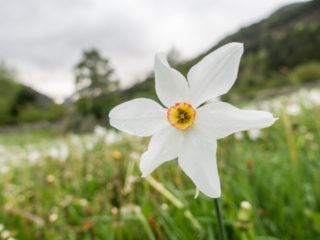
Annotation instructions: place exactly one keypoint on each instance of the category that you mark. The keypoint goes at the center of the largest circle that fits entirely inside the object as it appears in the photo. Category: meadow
(89, 186)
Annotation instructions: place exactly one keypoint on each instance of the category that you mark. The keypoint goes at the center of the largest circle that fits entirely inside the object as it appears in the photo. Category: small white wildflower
(75, 140)
(277, 105)
(130, 209)
(254, 134)
(315, 96)
(34, 156)
(89, 146)
(164, 206)
(114, 211)
(112, 137)
(64, 152)
(100, 131)
(135, 156)
(50, 178)
(238, 135)
(53, 217)
(5, 234)
(132, 179)
(4, 169)
(309, 136)
(293, 109)
(245, 205)
(83, 202)
(265, 106)
(54, 152)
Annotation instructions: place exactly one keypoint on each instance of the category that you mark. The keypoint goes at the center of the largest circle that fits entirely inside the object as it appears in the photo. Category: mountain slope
(276, 48)
(20, 103)
(283, 49)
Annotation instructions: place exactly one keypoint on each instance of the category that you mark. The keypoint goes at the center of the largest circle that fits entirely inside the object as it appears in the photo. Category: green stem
(221, 230)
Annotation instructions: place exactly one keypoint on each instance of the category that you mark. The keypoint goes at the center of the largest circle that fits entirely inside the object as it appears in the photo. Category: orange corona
(181, 115)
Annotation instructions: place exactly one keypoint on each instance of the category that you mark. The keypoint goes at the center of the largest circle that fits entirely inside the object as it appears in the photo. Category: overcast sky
(43, 40)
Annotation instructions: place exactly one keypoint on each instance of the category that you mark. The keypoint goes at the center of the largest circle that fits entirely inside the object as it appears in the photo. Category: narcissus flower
(192, 120)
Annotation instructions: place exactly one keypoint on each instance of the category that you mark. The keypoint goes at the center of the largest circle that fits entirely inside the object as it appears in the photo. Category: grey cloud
(45, 38)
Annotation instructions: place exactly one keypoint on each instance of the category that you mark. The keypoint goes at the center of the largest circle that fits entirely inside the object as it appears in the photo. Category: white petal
(198, 161)
(171, 86)
(140, 117)
(164, 145)
(215, 74)
(219, 119)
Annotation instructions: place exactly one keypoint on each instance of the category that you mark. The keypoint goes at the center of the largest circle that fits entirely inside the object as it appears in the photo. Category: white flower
(53, 217)
(34, 156)
(64, 152)
(254, 134)
(83, 202)
(112, 137)
(189, 126)
(5, 234)
(315, 96)
(135, 155)
(245, 205)
(89, 146)
(99, 131)
(54, 152)
(4, 169)
(293, 109)
(238, 136)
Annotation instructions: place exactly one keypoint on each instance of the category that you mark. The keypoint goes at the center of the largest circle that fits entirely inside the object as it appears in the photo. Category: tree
(96, 85)
(94, 75)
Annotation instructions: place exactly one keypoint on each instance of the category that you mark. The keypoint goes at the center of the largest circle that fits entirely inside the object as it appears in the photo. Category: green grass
(94, 193)
(22, 139)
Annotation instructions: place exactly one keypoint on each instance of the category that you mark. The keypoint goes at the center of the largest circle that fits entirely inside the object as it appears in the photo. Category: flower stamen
(181, 115)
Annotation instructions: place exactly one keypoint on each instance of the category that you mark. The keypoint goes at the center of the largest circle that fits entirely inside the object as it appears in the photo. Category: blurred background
(66, 174)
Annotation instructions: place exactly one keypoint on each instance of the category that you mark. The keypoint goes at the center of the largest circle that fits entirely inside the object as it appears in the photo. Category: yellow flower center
(181, 115)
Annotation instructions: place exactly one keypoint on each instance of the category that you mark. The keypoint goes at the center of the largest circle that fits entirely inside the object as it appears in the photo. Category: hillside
(20, 103)
(281, 50)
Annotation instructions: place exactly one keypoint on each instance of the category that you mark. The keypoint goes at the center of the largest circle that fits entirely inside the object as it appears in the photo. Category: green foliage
(84, 105)
(103, 103)
(8, 91)
(140, 89)
(96, 190)
(96, 85)
(20, 104)
(307, 72)
(94, 75)
(99, 106)
(31, 113)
